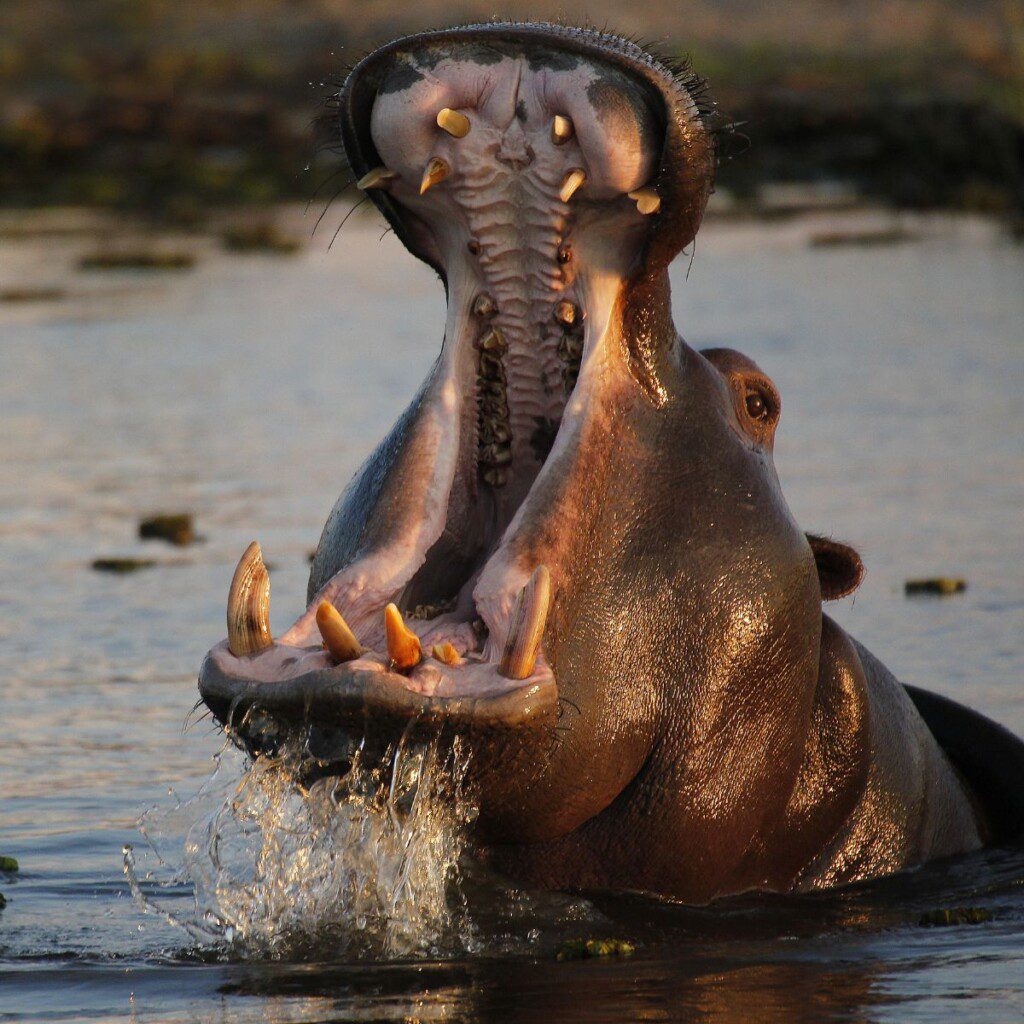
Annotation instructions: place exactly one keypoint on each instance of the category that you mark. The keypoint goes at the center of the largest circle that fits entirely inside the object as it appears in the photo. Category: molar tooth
(565, 312)
(647, 200)
(571, 182)
(496, 455)
(526, 628)
(338, 638)
(249, 605)
(495, 477)
(434, 173)
(493, 341)
(490, 365)
(446, 652)
(562, 130)
(485, 306)
(496, 433)
(403, 645)
(377, 178)
(453, 122)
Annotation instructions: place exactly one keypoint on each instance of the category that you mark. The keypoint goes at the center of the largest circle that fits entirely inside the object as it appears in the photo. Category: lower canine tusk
(249, 605)
(434, 173)
(647, 200)
(572, 181)
(339, 640)
(527, 626)
(403, 645)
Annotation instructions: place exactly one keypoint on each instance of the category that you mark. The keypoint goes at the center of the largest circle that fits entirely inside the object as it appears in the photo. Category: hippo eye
(760, 401)
(757, 407)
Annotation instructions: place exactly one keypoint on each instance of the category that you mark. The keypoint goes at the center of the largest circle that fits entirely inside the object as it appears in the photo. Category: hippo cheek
(528, 165)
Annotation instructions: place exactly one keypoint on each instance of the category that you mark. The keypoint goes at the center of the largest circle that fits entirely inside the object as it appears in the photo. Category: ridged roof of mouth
(540, 168)
(687, 156)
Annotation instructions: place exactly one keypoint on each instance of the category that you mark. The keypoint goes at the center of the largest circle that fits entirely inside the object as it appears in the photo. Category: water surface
(249, 389)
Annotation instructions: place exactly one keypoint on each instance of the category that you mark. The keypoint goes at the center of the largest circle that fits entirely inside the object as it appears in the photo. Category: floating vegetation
(137, 260)
(942, 586)
(950, 917)
(363, 861)
(176, 528)
(863, 237)
(32, 294)
(8, 864)
(586, 949)
(122, 566)
(262, 236)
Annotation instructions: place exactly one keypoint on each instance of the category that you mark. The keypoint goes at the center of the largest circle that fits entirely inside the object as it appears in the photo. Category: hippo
(572, 552)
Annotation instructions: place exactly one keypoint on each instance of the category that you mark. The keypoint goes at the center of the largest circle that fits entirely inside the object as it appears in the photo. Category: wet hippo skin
(589, 569)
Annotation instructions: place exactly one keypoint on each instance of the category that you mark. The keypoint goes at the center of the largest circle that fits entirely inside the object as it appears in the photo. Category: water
(247, 391)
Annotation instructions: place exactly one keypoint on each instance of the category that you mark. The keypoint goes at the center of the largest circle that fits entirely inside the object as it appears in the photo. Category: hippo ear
(840, 569)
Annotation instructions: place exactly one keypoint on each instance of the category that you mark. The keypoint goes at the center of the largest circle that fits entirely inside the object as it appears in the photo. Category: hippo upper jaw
(528, 165)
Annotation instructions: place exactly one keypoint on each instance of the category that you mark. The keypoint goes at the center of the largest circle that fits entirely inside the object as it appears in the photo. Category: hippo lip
(534, 167)
(364, 690)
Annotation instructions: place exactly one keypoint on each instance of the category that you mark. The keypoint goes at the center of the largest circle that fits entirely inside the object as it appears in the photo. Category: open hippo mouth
(548, 174)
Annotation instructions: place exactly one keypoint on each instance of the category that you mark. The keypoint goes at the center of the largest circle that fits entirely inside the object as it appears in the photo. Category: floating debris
(31, 294)
(263, 236)
(8, 864)
(175, 528)
(863, 237)
(586, 949)
(951, 917)
(122, 566)
(139, 260)
(943, 586)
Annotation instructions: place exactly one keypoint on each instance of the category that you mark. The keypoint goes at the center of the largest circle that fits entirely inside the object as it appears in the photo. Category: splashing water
(366, 863)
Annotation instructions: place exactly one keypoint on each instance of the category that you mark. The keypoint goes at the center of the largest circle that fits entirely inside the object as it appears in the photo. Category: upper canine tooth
(435, 171)
(561, 130)
(453, 122)
(338, 638)
(526, 628)
(376, 178)
(249, 605)
(572, 181)
(403, 645)
(647, 200)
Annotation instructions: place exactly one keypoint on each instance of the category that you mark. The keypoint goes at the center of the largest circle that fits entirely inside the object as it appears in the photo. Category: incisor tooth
(249, 605)
(434, 173)
(338, 638)
(403, 645)
(526, 628)
(453, 122)
(446, 652)
(561, 130)
(572, 181)
(377, 178)
(647, 200)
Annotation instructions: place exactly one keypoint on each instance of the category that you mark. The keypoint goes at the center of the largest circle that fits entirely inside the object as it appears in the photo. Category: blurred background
(197, 349)
(171, 106)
